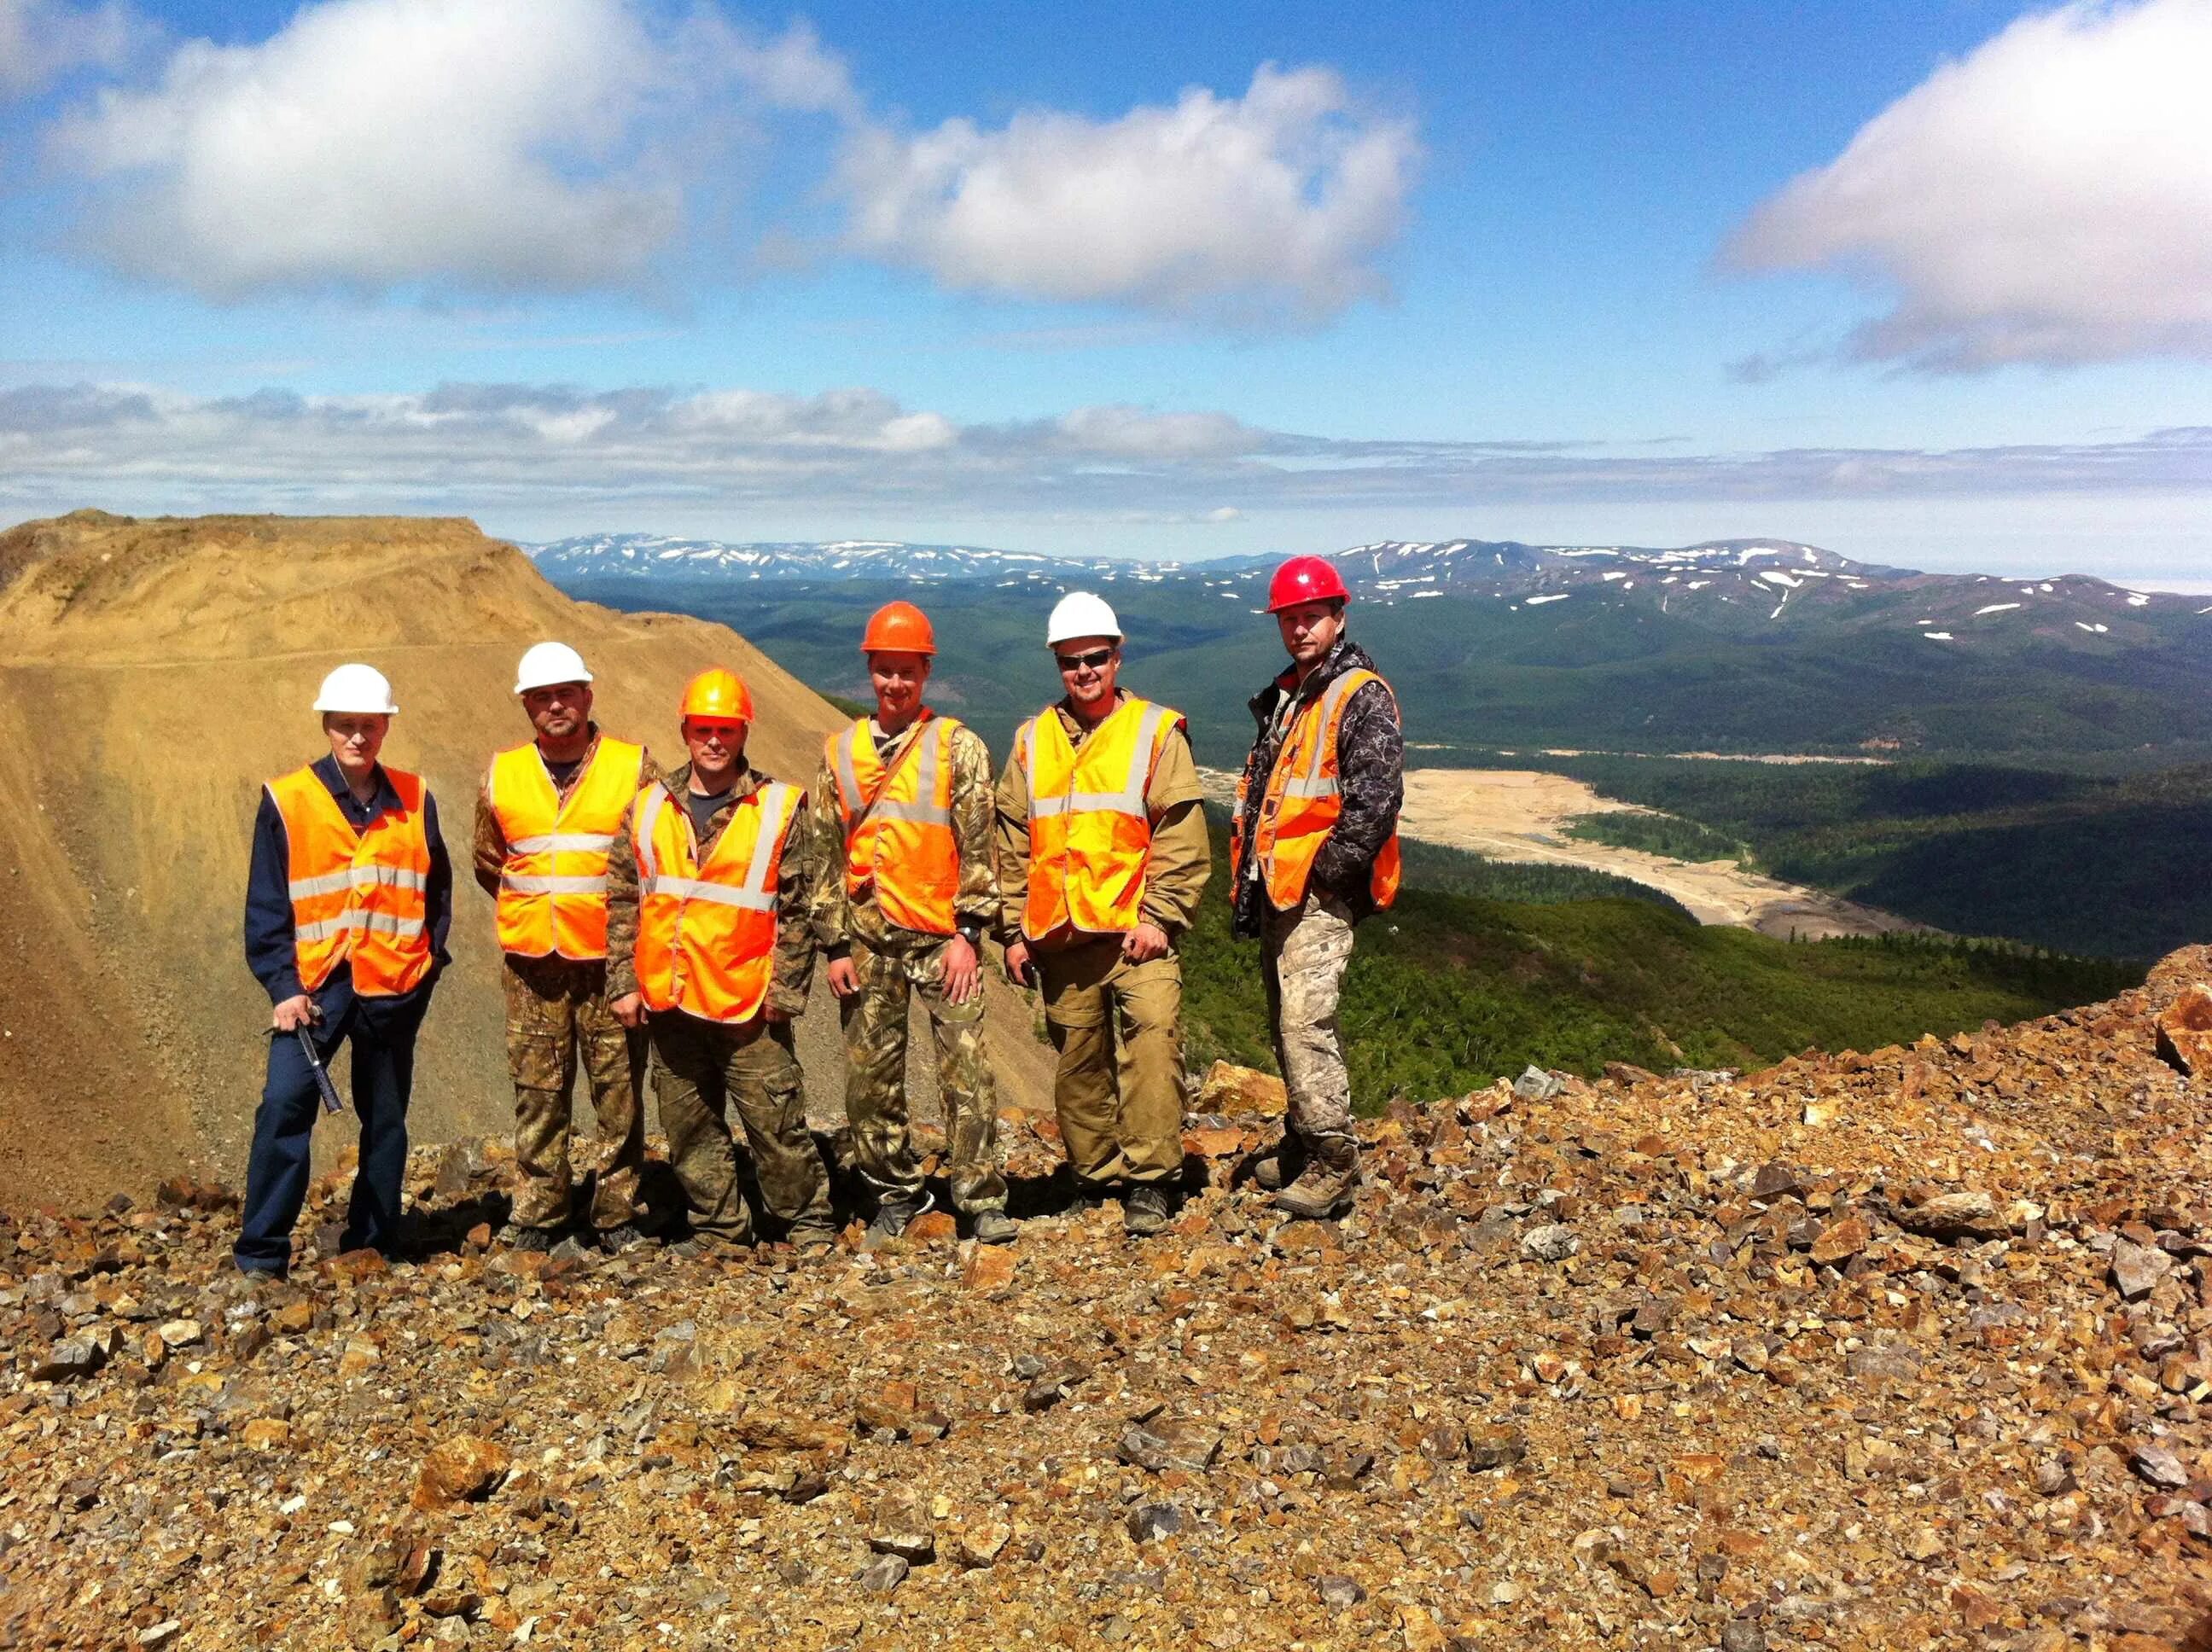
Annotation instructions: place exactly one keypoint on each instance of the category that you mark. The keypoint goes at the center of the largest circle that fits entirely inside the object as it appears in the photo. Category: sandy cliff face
(152, 674)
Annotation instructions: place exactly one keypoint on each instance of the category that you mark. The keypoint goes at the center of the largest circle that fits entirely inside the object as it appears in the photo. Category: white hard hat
(1080, 614)
(355, 689)
(548, 663)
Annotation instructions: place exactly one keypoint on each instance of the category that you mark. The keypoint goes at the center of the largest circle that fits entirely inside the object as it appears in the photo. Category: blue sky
(1152, 280)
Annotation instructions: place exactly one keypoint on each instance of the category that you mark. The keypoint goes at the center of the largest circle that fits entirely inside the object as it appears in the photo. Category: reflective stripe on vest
(358, 896)
(1090, 830)
(1303, 802)
(904, 846)
(553, 884)
(706, 937)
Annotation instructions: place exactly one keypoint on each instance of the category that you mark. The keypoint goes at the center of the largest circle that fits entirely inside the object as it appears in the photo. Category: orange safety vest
(1301, 802)
(904, 844)
(553, 886)
(706, 934)
(1090, 831)
(359, 896)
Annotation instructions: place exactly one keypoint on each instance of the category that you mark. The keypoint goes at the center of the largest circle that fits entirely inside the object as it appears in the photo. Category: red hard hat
(898, 627)
(1305, 579)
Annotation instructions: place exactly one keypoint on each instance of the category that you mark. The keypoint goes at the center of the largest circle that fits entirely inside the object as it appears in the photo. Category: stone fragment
(2137, 1269)
(1967, 1214)
(1841, 1240)
(1894, 1362)
(1053, 1385)
(979, 1544)
(1774, 1180)
(989, 1268)
(883, 1574)
(1742, 1635)
(462, 1469)
(70, 1360)
(1339, 1593)
(2184, 1032)
(1534, 1084)
(901, 1527)
(1161, 1446)
(1553, 1242)
(1925, 1544)
(1230, 1089)
(1495, 1448)
(267, 1434)
(179, 1334)
(2158, 1465)
(932, 1228)
(1150, 1521)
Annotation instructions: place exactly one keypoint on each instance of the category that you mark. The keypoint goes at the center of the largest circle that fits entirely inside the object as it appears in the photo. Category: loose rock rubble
(1901, 1349)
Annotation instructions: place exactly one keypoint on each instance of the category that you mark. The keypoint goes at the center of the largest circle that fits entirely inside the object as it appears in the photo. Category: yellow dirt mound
(152, 674)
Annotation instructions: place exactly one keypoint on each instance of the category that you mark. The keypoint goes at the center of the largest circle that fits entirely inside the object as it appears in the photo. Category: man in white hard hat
(347, 902)
(1102, 855)
(549, 819)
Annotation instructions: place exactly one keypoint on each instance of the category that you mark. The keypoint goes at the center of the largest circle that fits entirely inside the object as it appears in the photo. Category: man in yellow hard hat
(904, 888)
(1102, 855)
(724, 956)
(548, 818)
(347, 902)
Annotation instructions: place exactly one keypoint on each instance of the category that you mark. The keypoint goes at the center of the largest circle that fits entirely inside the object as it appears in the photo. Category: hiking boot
(627, 1236)
(540, 1240)
(1324, 1189)
(716, 1246)
(893, 1213)
(818, 1239)
(1145, 1210)
(994, 1228)
(1276, 1168)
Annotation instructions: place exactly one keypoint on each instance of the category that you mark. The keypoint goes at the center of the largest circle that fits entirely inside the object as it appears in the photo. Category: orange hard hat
(720, 694)
(1303, 580)
(898, 627)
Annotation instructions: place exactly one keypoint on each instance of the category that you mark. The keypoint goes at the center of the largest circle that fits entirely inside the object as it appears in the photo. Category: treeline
(1655, 833)
(1448, 992)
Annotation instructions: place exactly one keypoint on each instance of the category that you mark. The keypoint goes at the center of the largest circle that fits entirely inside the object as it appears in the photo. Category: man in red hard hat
(905, 884)
(1313, 850)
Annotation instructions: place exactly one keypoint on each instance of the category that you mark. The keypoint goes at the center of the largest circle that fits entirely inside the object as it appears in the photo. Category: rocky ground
(1904, 1349)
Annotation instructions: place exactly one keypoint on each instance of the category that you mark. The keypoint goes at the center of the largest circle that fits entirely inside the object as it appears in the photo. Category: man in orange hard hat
(548, 818)
(1313, 849)
(724, 956)
(347, 902)
(904, 887)
(1102, 855)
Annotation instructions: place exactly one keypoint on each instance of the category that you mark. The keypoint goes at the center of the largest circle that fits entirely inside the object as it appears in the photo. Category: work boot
(715, 1246)
(1325, 1188)
(1145, 1210)
(893, 1211)
(994, 1228)
(541, 1241)
(627, 1236)
(817, 1238)
(1274, 1169)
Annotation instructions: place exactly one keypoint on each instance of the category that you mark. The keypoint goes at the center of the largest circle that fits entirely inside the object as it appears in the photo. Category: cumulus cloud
(2048, 198)
(1277, 200)
(544, 449)
(41, 40)
(377, 143)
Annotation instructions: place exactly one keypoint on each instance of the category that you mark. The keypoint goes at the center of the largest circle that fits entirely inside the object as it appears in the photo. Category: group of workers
(674, 919)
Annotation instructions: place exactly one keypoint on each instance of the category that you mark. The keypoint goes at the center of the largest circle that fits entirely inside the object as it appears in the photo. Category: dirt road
(1514, 814)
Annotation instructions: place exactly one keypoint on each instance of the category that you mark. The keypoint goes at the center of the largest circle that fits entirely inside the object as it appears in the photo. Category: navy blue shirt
(269, 951)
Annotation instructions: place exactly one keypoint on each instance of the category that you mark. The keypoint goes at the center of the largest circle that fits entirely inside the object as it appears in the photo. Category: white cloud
(41, 40)
(479, 143)
(2048, 198)
(1276, 201)
(548, 450)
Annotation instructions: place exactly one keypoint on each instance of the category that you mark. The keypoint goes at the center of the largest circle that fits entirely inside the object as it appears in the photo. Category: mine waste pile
(1900, 1349)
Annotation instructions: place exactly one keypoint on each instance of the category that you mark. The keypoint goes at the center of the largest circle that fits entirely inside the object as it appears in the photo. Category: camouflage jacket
(489, 857)
(838, 916)
(794, 937)
(1371, 769)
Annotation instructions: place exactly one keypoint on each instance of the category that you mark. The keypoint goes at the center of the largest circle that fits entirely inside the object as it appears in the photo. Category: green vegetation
(1447, 992)
(2109, 862)
(1663, 834)
(1443, 871)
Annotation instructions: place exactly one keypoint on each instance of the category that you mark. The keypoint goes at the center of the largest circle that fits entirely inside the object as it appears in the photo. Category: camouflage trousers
(1118, 1090)
(708, 1071)
(875, 1021)
(1306, 950)
(558, 1019)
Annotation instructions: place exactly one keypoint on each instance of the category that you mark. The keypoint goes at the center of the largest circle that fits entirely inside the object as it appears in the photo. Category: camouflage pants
(707, 1071)
(1118, 1027)
(875, 1020)
(557, 1019)
(1306, 950)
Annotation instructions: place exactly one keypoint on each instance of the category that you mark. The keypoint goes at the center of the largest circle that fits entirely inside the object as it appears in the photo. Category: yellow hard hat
(718, 693)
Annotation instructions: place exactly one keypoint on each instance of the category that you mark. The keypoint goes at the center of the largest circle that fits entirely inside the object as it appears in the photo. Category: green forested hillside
(1448, 992)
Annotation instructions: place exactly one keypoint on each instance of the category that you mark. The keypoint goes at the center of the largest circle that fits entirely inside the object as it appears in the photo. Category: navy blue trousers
(381, 1032)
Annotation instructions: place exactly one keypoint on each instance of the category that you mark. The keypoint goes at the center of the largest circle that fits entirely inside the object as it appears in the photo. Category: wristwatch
(971, 933)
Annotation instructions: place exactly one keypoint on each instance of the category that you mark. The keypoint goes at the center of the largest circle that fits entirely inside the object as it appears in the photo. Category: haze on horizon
(1928, 286)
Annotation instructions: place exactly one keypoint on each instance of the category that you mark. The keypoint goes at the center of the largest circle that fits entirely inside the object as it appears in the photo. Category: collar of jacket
(385, 798)
(750, 781)
(1343, 655)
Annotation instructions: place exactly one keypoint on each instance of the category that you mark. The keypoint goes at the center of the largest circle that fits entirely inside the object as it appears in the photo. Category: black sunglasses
(1090, 661)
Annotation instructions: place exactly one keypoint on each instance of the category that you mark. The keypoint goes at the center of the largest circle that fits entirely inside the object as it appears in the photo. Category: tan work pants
(1118, 1027)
